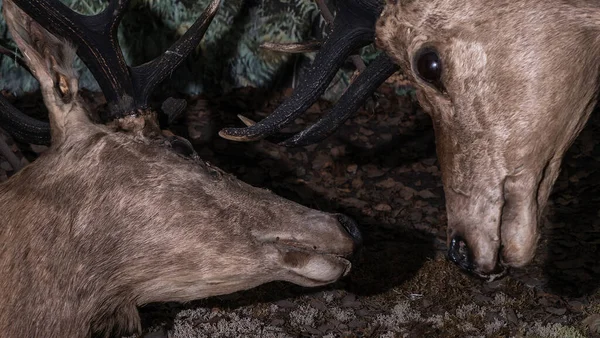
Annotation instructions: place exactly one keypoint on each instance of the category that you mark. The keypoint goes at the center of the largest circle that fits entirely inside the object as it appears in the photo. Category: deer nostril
(459, 253)
(351, 227)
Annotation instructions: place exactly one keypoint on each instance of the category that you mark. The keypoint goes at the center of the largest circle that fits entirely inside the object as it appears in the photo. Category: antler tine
(325, 12)
(353, 27)
(329, 18)
(325, 65)
(14, 56)
(147, 76)
(355, 96)
(303, 47)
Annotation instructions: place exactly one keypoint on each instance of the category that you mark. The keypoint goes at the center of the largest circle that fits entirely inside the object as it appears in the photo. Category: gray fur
(105, 221)
(522, 77)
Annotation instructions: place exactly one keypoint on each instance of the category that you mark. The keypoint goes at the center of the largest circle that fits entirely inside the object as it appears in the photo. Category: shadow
(391, 254)
(573, 227)
(403, 148)
(388, 259)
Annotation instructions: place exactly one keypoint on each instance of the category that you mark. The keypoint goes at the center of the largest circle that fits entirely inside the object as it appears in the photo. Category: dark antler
(354, 97)
(96, 42)
(353, 27)
(22, 127)
(126, 89)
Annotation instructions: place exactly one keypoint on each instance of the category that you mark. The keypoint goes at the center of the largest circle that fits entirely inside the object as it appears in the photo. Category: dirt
(381, 169)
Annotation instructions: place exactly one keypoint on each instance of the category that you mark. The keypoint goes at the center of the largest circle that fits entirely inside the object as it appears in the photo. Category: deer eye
(428, 66)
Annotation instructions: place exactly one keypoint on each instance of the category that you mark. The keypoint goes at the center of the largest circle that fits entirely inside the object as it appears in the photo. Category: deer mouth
(310, 267)
(499, 272)
(319, 254)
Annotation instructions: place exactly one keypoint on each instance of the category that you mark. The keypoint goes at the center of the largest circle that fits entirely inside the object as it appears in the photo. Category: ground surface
(381, 169)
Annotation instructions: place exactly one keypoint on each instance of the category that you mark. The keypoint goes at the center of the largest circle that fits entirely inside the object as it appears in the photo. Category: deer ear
(49, 58)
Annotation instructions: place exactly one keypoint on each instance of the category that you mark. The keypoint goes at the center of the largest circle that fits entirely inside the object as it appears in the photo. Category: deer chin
(312, 268)
(498, 273)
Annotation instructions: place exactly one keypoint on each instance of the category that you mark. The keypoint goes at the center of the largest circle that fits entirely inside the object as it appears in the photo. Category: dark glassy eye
(428, 66)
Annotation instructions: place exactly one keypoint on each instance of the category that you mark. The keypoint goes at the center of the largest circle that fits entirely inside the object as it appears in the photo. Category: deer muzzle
(317, 253)
(495, 228)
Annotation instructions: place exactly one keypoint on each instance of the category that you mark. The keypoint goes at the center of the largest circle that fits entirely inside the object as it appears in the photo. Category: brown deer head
(111, 217)
(508, 84)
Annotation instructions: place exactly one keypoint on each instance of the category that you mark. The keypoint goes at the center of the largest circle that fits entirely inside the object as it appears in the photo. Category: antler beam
(355, 96)
(353, 27)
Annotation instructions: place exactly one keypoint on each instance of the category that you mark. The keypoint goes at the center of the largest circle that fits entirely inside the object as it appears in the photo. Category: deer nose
(459, 253)
(351, 228)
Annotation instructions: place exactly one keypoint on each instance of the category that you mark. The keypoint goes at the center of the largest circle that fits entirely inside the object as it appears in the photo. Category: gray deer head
(111, 217)
(508, 84)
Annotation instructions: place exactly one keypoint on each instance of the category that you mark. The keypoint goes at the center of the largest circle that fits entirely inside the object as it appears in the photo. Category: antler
(355, 96)
(23, 127)
(353, 27)
(126, 89)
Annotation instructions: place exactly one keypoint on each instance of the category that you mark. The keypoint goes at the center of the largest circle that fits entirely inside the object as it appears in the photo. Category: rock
(556, 311)
(511, 316)
(408, 193)
(373, 171)
(426, 194)
(357, 183)
(387, 183)
(365, 131)
(312, 330)
(357, 324)
(383, 207)
(363, 312)
(481, 299)
(156, 334)
(416, 216)
(277, 322)
(322, 161)
(350, 301)
(576, 306)
(319, 305)
(592, 322)
(286, 304)
(354, 202)
(326, 327)
(338, 151)
(349, 298)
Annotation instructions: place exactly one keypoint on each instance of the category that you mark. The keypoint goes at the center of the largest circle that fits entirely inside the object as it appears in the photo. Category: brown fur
(105, 221)
(521, 79)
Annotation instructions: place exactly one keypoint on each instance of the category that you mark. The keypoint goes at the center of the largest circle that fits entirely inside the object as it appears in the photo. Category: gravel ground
(381, 169)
